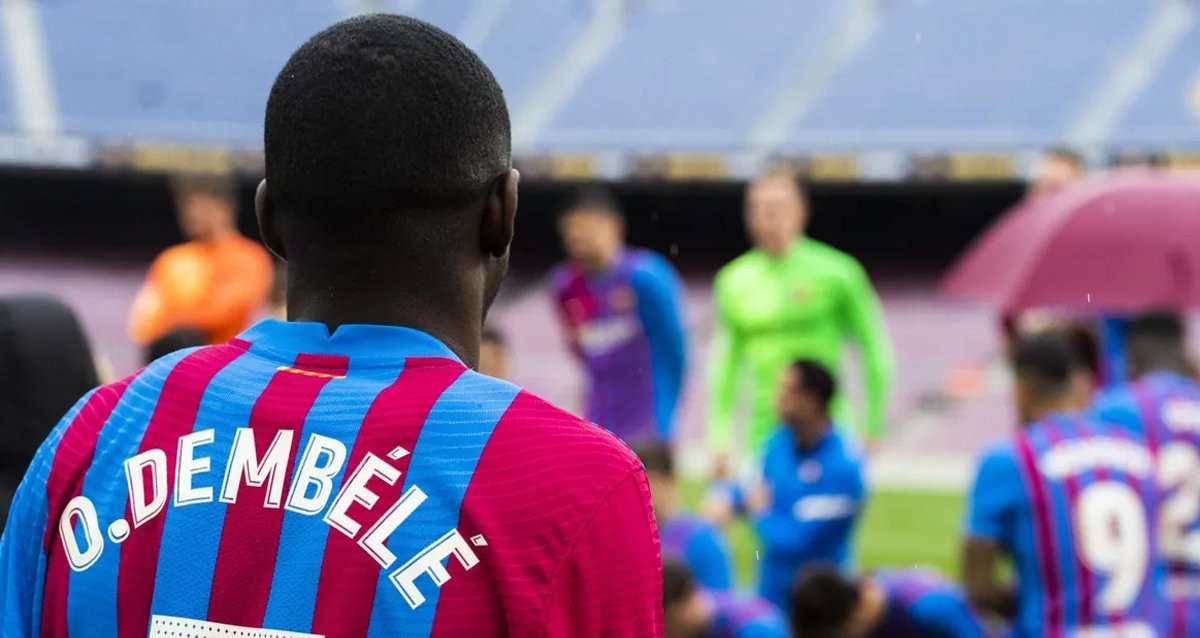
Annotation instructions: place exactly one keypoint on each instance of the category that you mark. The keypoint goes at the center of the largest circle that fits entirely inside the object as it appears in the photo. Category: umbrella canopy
(1121, 242)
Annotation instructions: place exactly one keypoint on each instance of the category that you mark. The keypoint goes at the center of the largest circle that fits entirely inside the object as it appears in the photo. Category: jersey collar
(360, 341)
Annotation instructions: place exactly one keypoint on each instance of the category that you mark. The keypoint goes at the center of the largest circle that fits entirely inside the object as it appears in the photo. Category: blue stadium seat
(1165, 115)
(983, 74)
(8, 116)
(692, 74)
(173, 70)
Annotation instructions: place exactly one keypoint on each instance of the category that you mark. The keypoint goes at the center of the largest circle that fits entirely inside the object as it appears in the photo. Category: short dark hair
(1085, 343)
(656, 457)
(592, 198)
(492, 335)
(379, 115)
(678, 582)
(1046, 363)
(1164, 326)
(816, 379)
(823, 600)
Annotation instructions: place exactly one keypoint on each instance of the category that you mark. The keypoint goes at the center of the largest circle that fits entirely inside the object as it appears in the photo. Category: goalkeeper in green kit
(789, 297)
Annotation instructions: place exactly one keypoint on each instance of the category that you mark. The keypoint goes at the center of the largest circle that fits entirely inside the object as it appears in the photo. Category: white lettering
(429, 561)
(1182, 415)
(827, 507)
(376, 537)
(355, 491)
(313, 473)
(244, 463)
(1074, 457)
(81, 507)
(187, 466)
(135, 476)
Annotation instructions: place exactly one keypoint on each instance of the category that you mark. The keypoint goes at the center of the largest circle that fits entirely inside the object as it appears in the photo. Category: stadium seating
(682, 75)
(1165, 115)
(1004, 74)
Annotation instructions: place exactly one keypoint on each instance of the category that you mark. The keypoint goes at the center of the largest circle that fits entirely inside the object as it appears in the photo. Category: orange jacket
(215, 287)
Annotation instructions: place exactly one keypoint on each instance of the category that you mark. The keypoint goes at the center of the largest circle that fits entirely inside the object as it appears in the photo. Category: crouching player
(1072, 502)
(691, 611)
(909, 603)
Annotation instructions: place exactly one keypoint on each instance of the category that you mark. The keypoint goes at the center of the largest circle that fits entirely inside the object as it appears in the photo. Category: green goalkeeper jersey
(771, 311)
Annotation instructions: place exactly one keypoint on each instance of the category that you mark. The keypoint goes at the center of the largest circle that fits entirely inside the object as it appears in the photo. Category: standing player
(1163, 405)
(790, 297)
(691, 539)
(691, 611)
(907, 603)
(622, 310)
(813, 477)
(1072, 502)
(213, 283)
(346, 475)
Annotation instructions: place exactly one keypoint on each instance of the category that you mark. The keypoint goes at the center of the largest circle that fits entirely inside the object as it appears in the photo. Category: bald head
(776, 212)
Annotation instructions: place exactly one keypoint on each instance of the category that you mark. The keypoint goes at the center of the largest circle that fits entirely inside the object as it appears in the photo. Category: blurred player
(347, 474)
(493, 354)
(902, 603)
(690, 539)
(1162, 404)
(1072, 502)
(622, 309)
(789, 297)
(813, 479)
(215, 282)
(691, 611)
(1060, 168)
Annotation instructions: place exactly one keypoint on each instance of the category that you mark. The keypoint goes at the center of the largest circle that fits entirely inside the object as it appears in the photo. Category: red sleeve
(610, 582)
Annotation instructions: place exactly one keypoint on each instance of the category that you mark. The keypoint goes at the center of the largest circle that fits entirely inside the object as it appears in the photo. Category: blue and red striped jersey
(1164, 407)
(922, 603)
(1073, 502)
(626, 326)
(297, 483)
(744, 615)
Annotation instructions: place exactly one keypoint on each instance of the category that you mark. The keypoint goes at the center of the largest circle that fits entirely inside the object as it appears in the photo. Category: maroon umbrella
(1126, 241)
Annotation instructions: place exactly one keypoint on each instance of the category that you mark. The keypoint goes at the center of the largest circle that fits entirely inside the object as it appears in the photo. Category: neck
(1178, 365)
(779, 251)
(603, 263)
(809, 434)
(386, 301)
(1041, 409)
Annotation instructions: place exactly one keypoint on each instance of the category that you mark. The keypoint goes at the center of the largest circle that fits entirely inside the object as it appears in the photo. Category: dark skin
(980, 555)
(443, 288)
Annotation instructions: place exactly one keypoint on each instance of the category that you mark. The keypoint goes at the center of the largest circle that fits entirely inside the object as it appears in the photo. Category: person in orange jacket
(215, 282)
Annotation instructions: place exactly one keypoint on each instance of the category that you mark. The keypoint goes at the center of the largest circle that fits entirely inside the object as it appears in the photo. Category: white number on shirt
(1179, 474)
(1111, 530)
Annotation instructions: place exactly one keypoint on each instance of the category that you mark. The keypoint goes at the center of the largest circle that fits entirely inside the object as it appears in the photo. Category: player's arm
(149, 317)
(825, 514)
(995, 497)
(610, 583)
(723, 363)
(709, 559)
(22, 561)
(660, 308)
(864, 322)
(568, 332)
(245, 284)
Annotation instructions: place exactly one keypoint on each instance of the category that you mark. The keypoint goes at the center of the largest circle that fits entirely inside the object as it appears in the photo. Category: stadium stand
(700, 77)
(7, 108)
(979, 74)
(1165, 113)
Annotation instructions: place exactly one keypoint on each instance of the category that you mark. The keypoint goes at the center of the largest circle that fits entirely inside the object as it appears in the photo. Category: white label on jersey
(1182, 415)
(164, 626)
(1076, 456)
(600, 336)
(827, 507)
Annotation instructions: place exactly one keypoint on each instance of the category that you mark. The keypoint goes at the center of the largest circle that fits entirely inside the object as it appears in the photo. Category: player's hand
(758, 499)
(721, 469)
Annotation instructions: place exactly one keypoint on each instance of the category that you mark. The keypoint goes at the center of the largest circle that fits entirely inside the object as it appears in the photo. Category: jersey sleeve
(610, 583)
(708, 557)
(723, 362)
(1116, 406)
(995, 496)
(941, 615)
(22, 559)
(863, 318)
(660, 309)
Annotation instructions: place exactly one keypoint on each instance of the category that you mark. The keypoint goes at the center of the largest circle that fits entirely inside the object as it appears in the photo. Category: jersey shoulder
(562, 276)
(742, 271)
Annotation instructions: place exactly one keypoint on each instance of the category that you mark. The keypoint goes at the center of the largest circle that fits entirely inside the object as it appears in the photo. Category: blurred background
(913, 124)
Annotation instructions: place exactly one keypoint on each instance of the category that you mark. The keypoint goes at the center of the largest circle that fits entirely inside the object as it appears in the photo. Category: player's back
(1083, 530)
(1164, 407)
(363, 484)
(922, 603)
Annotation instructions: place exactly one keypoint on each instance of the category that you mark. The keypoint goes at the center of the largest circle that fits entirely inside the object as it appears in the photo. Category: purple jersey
(1164, 407)
(700, 545)
(1073, 502)
(921, 603)
(625, 326)
(743, 615)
